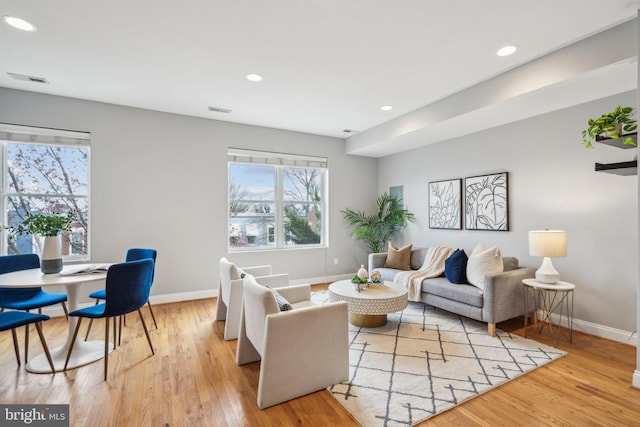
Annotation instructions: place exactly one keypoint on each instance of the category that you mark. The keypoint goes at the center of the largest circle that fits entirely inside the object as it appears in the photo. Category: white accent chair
(230, 292)
(302, 350)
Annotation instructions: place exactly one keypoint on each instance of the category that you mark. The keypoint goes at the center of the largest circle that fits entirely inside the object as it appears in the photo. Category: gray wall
(160, 180)
(552, 184)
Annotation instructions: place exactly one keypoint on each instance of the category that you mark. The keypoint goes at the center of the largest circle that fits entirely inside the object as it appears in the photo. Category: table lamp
(548, 244)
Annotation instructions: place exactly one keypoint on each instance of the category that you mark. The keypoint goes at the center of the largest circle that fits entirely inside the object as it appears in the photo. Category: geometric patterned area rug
(425, 361)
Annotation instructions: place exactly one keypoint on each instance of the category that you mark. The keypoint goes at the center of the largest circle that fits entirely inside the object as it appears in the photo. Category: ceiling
(328, 65)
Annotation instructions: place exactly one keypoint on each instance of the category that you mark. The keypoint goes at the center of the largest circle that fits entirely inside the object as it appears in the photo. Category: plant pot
(51, 259)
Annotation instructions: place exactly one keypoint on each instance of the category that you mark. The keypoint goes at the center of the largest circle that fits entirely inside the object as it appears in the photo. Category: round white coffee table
(369, 307)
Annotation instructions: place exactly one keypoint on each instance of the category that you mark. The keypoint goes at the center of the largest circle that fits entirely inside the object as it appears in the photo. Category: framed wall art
(487, 202)
(445, 204)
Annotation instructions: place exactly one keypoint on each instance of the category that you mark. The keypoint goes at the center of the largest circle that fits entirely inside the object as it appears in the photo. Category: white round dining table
(84, 352)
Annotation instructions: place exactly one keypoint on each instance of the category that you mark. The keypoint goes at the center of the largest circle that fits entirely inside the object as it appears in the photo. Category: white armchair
(302, 350)
(230, 292)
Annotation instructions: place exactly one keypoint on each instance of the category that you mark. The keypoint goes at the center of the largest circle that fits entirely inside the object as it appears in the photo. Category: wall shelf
(620, 168)
(617, 142)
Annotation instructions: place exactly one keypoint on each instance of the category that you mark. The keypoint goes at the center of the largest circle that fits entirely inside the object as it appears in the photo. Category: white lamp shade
(548, 243)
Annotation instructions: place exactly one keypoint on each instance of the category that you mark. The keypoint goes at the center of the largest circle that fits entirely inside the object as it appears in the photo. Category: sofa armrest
(258, 270)
(504, 295)
(296, 293)
(274, 280)
(376, 260)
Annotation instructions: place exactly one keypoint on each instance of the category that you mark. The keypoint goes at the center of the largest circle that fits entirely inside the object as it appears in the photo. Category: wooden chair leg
(26, 342)
(120, 330)
(106, 347)
(73, 342)
(90, 323)
(15, 345)
(153, 316)
(146, 331)
(45, 346)
(66, 311)
(115, 332)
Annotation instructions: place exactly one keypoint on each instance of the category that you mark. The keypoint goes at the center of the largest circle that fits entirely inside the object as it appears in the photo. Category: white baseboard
(56, 311)
(636, 379)
(183, 296)
(602, 331)
(625, 337)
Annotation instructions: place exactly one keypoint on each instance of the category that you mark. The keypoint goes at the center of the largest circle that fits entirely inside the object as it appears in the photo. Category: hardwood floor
(193, 380)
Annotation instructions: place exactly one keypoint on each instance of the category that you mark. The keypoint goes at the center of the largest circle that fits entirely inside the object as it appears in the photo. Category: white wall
(552, 184)
(160, 180)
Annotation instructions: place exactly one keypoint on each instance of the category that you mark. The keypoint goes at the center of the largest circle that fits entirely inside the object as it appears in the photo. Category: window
(46, 171)
(276, 200)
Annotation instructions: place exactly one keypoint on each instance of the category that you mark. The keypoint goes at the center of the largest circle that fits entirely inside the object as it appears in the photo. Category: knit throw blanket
(433, 266)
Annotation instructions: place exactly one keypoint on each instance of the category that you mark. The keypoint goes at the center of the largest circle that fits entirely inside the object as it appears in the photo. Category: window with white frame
(276, 200)
(45, 171)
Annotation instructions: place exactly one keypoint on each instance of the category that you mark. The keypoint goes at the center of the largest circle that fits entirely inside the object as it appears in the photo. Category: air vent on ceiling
(219, 110)
(28, 78)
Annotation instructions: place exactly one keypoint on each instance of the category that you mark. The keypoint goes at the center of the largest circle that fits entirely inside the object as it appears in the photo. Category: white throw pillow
(482, 262)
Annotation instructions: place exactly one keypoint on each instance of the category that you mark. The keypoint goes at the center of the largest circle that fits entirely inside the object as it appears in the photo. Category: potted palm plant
(376, 229)
(612, 125)
(50, 228)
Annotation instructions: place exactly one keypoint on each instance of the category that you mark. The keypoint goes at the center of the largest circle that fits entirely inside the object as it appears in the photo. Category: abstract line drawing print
(486, 202)
(445, 204)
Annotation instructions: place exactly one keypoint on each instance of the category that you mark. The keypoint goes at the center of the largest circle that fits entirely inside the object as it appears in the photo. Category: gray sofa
(501, 300)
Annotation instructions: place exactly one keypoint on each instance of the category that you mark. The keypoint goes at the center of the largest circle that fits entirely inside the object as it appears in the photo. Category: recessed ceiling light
(386, 108)
(19, 23)
(506, 50)
(254, 77)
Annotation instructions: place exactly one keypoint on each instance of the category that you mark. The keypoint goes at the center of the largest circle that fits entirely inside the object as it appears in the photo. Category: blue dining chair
(14, 319)
(127, 290)
(133, 254)
(26, 299)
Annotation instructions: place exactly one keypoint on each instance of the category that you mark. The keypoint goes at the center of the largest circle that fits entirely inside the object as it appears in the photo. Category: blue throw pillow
(455, 267)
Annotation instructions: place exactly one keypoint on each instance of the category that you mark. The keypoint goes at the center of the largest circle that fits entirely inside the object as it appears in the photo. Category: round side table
(549, 297)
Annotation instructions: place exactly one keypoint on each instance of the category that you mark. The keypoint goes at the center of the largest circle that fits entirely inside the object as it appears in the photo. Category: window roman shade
(267, 158)
(37, 135)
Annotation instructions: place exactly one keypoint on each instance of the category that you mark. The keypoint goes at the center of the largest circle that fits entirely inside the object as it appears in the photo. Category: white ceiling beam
(598, 66)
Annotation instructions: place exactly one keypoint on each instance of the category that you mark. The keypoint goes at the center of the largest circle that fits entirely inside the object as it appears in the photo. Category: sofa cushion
(455, 267)
(464, 293)
(417, 257)
(482, 262)
(400, 259)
